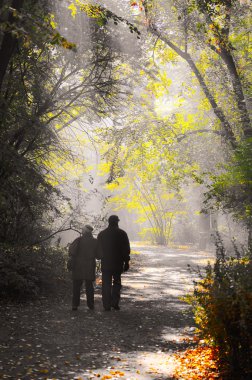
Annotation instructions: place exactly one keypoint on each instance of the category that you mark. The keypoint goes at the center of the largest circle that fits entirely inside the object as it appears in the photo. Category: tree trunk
(225, 53)
(238, 92)
(250, 238)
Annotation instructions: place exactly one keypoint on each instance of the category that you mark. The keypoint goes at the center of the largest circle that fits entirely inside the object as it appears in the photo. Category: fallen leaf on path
(43, 371)
(117, 373)
(197, 363)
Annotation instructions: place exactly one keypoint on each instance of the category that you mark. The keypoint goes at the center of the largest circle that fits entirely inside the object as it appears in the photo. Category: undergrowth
(222, 306)
(30, 272)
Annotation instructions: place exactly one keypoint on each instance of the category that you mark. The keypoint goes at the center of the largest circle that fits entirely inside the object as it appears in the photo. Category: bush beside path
(46, 340)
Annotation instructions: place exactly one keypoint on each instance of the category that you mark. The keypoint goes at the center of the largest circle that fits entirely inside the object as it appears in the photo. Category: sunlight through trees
(136, 107)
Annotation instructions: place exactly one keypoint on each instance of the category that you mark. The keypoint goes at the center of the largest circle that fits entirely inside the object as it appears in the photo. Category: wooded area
(160, 93)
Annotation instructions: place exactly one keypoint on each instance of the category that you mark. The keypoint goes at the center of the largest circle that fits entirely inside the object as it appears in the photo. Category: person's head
(87, 229)
(113, 220)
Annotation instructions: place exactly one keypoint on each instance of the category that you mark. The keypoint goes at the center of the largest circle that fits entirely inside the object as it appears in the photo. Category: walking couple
(113, 249)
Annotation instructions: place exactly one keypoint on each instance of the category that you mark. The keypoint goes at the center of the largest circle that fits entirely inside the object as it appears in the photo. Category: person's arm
(72, 253)
(74, 248)
(126, 252)
(98, 250)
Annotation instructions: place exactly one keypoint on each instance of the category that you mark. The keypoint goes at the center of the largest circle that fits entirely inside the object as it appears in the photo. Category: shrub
(28, 272)
(222, 305)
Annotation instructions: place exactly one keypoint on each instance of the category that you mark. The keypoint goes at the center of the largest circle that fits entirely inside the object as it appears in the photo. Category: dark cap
(113, 218)
(87, 228)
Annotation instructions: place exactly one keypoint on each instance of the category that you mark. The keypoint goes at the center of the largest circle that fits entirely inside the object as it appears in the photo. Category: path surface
(46, 340)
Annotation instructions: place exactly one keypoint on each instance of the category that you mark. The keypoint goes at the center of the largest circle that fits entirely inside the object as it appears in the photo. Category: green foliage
(222, 305)
(155, 204)
(37, 104)
(26, 139)
(31, 271)
(101, 14)
(232, 190)
(146, 180)
(154, 138)
(31, 22)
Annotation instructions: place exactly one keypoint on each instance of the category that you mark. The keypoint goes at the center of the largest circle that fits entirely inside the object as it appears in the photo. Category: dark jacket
(83, 259)
(114, 249)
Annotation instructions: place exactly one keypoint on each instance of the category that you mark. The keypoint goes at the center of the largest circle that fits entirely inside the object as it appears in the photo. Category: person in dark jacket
(82, 253)
(114, 250)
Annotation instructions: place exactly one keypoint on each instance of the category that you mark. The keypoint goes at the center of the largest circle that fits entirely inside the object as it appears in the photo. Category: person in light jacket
(82, 254)
(114, 250)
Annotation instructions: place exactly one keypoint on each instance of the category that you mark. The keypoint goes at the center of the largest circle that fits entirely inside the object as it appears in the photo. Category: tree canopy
(161, 88)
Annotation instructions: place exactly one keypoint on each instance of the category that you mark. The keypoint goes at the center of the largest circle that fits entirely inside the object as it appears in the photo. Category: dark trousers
(111, 287)
(77, 284)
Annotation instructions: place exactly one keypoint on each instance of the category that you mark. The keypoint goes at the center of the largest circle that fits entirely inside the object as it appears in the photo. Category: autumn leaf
(197, 363)
(43, 371)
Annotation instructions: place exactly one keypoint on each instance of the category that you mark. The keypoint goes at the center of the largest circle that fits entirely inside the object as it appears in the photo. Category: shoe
(91, 307)
(107, 309)
(74, 308)
(116, 307)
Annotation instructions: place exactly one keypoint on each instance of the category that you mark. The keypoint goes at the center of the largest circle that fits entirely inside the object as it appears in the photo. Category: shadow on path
(47, 340)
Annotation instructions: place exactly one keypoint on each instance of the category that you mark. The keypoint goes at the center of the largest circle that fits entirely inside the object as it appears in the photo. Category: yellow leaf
(73, 9)
(44, 371)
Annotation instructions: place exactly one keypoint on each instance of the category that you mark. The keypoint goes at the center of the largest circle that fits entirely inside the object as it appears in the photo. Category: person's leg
(106, 289)
(116, 289)
(90, 293)
(76, 293)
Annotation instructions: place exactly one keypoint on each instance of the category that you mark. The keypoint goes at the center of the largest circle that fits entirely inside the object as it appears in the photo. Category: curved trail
(46, 340)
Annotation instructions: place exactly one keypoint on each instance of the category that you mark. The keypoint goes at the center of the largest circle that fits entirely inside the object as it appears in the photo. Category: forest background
(137, 107)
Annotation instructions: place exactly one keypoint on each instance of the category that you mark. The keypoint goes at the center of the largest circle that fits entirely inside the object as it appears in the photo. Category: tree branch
(220, 133)
(54, 233)
(217, 110)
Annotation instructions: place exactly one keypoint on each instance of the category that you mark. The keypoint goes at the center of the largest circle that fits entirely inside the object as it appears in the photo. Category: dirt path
(46, 340)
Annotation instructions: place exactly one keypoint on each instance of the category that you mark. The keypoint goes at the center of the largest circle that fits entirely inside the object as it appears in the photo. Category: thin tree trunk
(238, 91)
(226, 55)
(250, 237)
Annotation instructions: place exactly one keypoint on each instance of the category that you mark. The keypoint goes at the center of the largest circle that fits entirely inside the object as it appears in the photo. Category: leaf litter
(45, 340)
